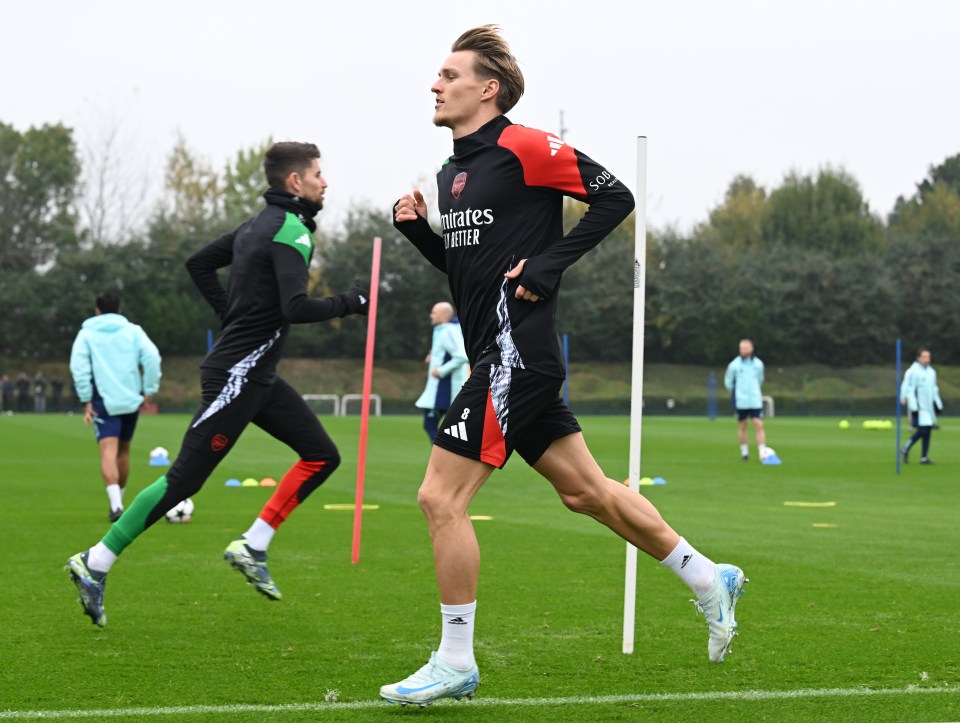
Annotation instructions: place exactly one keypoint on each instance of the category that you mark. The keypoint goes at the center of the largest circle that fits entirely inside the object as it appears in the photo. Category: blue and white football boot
(90, 587)
(718, 606)
(433, 681)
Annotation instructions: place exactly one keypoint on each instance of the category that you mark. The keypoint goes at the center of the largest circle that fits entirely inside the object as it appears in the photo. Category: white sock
(259, 535)
(761, 449)
(116, 497)
(691, 567)
(456, 642)
(744, 450)
(101, 558)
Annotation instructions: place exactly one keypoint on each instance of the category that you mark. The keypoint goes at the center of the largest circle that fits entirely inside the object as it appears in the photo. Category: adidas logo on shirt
(457, 431)
(555, 144)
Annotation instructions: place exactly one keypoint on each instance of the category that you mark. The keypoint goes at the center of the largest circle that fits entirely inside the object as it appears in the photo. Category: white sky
(719, 87)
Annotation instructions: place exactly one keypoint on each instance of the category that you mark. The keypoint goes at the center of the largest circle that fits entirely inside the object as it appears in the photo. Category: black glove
(357, 298)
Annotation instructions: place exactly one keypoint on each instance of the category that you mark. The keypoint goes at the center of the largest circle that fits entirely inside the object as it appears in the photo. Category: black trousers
(922, 434)
(227, 407)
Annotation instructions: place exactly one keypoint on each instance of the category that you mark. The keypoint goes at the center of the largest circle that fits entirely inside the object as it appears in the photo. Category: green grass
(869, 603)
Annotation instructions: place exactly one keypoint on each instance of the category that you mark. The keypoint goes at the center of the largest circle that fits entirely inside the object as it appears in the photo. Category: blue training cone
(233, 482)
(771, 458)
(159, 457)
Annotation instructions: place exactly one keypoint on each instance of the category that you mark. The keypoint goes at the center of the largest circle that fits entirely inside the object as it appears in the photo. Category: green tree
(924, 275)
(596, 297)
(192, 204)
(737, 223)
(409, 286)
(937, 214)
(934, 210)
(947, 173)
(244, 184)
(826, 212)
(38, 185)
(694, 302)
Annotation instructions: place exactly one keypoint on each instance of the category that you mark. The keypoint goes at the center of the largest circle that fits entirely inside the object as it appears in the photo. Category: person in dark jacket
(23, 392)
(504, 251)
(6, 388)
(269, 258)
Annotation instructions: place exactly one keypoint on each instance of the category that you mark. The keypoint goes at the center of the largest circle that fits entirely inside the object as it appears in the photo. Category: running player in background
(269, 259)
(503, 249)
(115, 368)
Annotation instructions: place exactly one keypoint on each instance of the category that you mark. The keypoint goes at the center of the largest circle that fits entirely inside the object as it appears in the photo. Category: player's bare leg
(450, 484)
(759, 432)
(742, 431)
(110, 470)
(123, 464)
(584, 488)
(742, 438)
(108, 460)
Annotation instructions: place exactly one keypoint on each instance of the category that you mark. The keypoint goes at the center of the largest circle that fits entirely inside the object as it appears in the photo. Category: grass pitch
(851, 612)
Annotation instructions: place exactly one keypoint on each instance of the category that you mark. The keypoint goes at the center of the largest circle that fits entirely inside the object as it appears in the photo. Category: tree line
(805, 268)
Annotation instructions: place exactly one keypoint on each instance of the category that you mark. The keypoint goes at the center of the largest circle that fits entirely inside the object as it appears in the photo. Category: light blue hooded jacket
(447, 354)
(108, 353)
(920, 390)
(743, 379)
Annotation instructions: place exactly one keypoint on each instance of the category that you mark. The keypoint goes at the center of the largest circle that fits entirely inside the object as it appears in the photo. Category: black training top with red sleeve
(501, 201)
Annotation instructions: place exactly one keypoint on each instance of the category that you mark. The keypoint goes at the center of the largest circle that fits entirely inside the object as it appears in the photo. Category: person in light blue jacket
(743, 380)
(448, 368)
(115, 368)
(921, 395)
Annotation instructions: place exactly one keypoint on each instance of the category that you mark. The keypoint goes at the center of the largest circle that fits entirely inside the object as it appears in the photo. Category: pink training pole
(365, 410)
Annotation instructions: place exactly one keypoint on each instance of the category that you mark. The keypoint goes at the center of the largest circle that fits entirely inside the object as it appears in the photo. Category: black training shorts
(501, 409)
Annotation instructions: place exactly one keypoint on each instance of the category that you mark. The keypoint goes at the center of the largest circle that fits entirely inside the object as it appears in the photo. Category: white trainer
(437, 679)
(718, 607)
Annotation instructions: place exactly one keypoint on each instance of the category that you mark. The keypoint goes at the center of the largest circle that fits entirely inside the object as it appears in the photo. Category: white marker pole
(636, 384)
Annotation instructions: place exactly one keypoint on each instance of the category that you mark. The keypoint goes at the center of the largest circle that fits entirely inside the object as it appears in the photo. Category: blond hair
(494, 60)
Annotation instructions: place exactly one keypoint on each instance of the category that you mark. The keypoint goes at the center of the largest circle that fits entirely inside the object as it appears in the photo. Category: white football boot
(718, 606)
(437, 679)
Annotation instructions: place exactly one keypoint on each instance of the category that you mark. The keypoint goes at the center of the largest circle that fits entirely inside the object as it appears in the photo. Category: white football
(159, 452)
(767, 452)
(182, 513)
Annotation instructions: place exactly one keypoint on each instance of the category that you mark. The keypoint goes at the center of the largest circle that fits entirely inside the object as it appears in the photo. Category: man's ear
(490, 89)
(294, 183)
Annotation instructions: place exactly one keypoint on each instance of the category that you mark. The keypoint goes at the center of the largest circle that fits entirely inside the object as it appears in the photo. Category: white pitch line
(744, 695)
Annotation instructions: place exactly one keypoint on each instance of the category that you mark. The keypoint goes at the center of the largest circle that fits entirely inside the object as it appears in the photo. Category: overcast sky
(719, 87)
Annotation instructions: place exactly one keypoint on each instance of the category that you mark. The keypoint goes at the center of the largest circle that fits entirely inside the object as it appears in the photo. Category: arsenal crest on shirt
(458, 183)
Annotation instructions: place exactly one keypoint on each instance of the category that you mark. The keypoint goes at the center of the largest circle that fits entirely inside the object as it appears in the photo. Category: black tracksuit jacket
(269, 259)
(501, 200)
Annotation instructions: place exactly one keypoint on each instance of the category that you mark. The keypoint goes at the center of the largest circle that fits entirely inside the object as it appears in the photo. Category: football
(182, 513)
